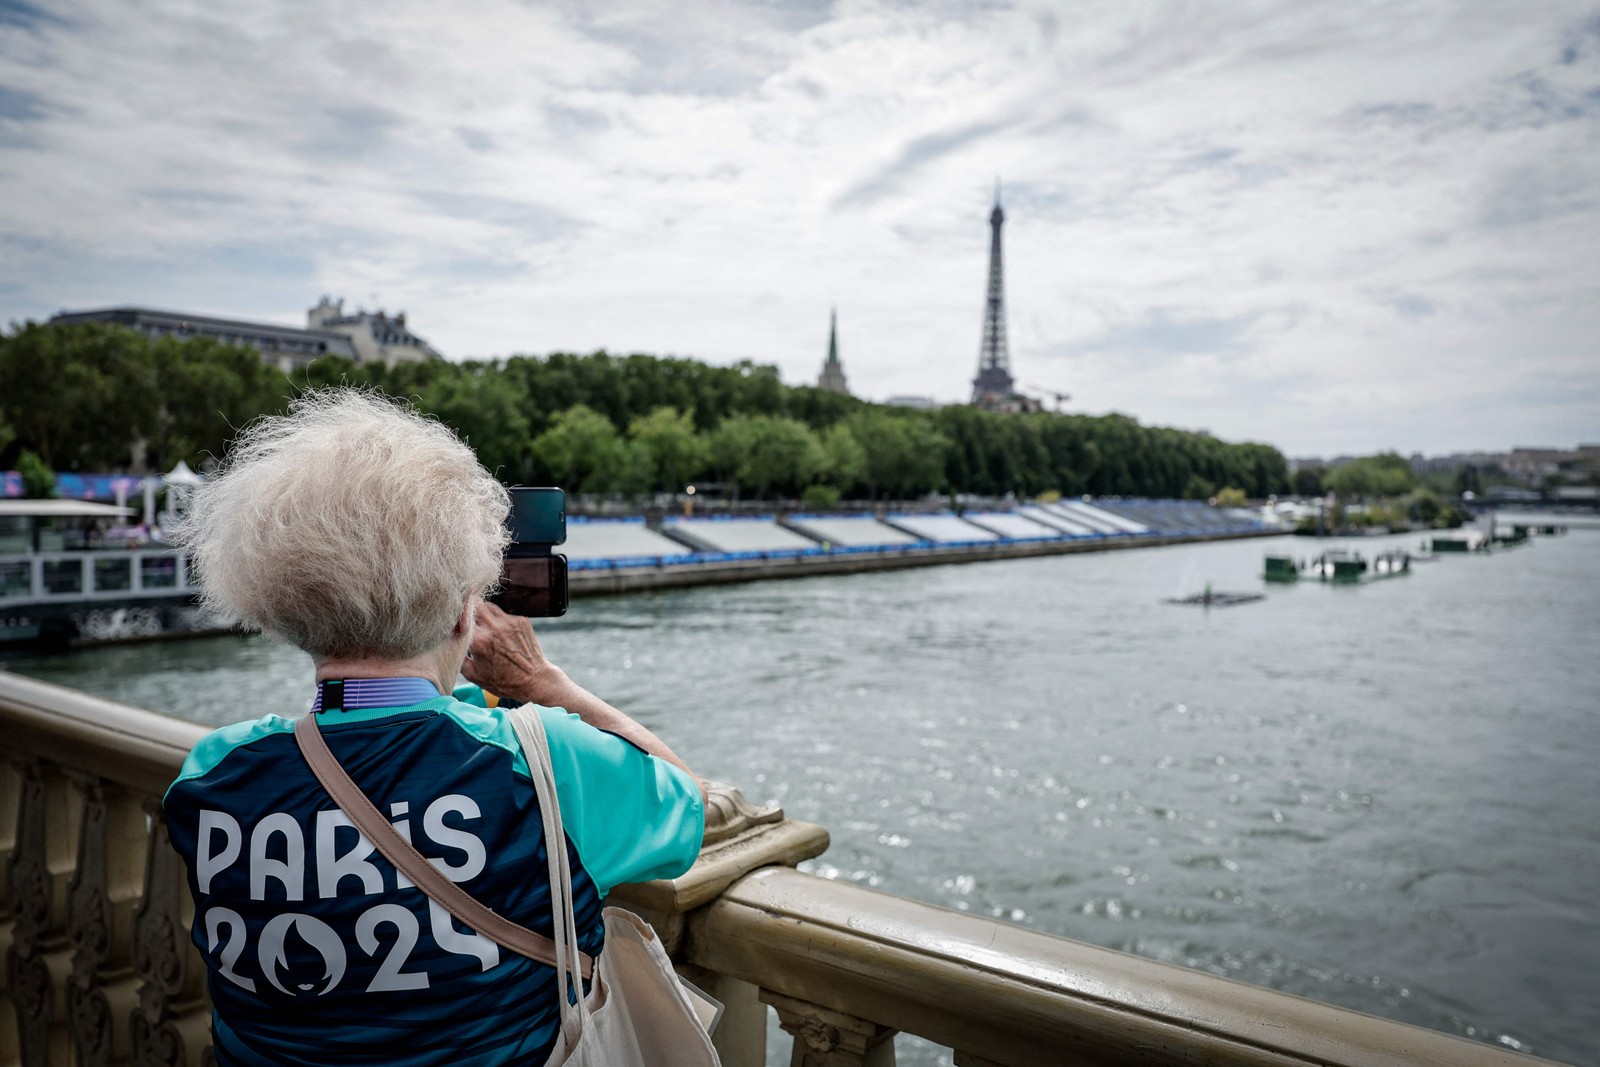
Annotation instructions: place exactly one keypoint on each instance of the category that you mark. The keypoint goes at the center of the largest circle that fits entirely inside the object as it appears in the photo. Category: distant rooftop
(287, 345)
(362, 336)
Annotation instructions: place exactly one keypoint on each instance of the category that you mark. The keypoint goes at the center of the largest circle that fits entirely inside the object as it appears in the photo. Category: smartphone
(538, 518)
(533, 579)
(535, 586)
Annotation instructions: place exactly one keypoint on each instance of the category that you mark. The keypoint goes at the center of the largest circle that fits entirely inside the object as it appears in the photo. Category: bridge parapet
(100, 969)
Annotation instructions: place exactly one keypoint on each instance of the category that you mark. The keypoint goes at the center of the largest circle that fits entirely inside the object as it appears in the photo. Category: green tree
(673, 452)
(904, 455)
(767, 452)
(727, 446)
(205, 392)
(79, 395)
(82, 397)
(38, 480)
(846, 460)
(1386, 474)
(582, 452)
(1424, 507)
(1308, 481)
(820, 497)
(481, 404)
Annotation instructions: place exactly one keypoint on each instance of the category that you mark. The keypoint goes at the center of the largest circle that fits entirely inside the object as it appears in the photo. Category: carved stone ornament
(818, 1035)
(160, 937)
(88, 909)
(827, 1038)
(28, 985)
(729, 814)
(171, 1000)
(30, 880)
(90, 1022)
(157, 1045)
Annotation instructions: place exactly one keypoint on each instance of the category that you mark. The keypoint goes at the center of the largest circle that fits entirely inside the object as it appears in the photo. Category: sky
(1337, 227)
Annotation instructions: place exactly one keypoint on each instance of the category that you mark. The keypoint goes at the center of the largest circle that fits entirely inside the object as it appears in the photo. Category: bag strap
(406, 859)
(536, 748)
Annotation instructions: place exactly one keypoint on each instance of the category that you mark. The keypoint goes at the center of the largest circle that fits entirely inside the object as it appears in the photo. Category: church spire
(832, 370)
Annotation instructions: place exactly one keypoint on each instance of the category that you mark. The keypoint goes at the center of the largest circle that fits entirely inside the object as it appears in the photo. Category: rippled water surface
(1384, 797)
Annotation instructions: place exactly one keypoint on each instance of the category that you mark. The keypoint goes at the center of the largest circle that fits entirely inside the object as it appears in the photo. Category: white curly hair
(352, 527)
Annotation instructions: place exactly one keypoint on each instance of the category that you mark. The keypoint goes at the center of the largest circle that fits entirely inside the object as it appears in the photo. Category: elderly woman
(367, 536)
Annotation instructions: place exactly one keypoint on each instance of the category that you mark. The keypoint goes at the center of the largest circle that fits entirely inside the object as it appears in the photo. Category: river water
(1384, 797)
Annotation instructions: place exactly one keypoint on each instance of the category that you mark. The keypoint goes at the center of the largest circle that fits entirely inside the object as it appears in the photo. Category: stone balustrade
(100, 969)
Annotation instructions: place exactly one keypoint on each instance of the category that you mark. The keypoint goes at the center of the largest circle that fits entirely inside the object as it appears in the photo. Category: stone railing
(99, 967)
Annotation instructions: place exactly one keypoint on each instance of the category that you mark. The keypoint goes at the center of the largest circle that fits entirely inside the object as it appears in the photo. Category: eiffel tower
(993, 387)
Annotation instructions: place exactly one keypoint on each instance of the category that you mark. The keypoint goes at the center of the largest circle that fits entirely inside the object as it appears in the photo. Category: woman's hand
(506, 660)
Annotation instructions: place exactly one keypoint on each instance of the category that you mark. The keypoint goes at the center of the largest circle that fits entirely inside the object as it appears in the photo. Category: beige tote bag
(638, 1012)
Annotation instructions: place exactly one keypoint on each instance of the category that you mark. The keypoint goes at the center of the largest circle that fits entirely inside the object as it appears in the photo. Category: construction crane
(1060, 398)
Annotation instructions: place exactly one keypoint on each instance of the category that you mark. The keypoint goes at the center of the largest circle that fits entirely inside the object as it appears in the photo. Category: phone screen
(535, 586)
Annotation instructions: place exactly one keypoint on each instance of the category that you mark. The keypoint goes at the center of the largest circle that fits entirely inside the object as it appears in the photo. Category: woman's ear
(464, 621)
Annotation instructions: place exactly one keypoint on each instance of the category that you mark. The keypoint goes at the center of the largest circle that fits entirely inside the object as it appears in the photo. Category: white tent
(182, 476)
(181, 483)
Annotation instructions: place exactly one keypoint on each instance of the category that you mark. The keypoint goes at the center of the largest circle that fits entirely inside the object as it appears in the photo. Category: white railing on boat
(95, 575)
(100, 969)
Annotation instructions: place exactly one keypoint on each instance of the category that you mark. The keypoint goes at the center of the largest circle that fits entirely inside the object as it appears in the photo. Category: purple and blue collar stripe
(358, 694)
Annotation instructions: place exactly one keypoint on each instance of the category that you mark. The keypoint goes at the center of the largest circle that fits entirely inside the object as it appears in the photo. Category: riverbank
(666, 573)
(91, 597)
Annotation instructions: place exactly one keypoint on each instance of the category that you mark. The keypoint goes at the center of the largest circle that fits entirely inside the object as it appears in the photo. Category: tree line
(91, 397)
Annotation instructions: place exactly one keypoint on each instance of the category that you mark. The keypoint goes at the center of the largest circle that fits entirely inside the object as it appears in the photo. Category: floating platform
(1338, 565)
(1282, 569)
(1217, 600)
(1459, 541)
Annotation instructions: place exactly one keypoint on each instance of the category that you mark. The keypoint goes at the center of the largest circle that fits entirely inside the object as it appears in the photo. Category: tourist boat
(73, 570)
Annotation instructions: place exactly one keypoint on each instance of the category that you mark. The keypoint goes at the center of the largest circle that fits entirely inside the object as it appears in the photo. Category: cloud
(1527, 196)
(532, 222)
(339, 133)
(18, 106)
(25, 16)
(476, 140)
(1410, 305)
(1162, 332)
(913, 156)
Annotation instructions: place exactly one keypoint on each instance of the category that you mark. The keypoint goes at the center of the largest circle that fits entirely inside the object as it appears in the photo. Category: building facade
(286, 347)
(363, 337)
(377, 336)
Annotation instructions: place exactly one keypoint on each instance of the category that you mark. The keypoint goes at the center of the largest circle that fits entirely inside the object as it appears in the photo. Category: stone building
(286, 347)
(365, 337)
(378, 337)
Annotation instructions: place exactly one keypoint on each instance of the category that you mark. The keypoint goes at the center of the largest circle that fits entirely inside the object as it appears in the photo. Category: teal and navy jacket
(320, 952)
